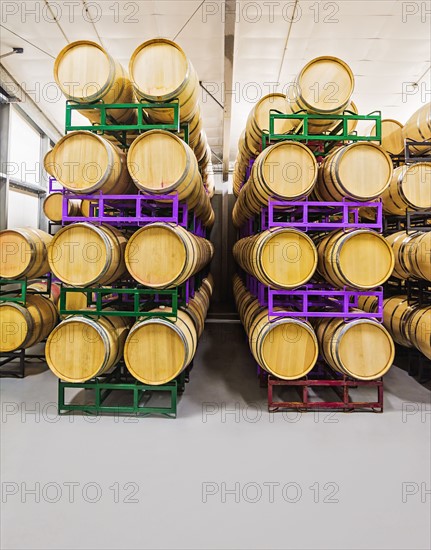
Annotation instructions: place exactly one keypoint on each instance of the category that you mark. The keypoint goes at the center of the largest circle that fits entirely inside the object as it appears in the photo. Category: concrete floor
(224, 475)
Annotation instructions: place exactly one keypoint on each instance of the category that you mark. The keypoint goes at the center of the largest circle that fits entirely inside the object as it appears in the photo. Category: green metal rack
(108, 124)
(302, 133)
(141, 302)
(19, 295)
(119, 380)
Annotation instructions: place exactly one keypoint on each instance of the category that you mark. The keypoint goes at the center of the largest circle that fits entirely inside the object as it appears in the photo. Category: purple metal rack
(306, 299)
(132, 209)
(299, 213)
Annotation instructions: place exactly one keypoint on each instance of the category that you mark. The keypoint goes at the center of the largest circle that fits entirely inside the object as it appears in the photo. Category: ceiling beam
(229, 47)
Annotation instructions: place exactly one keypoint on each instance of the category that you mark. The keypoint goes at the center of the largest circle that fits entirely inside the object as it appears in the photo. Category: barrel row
(408, 323)
(155, 349)
(323, 86)
(412, 252)
(158, 163)
(159, 255)
(159, 70)
(288, 258)
(288, 348)
(23, 326)
(360, 172)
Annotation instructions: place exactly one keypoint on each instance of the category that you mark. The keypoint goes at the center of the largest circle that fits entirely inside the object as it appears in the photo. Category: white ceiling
(385, 48)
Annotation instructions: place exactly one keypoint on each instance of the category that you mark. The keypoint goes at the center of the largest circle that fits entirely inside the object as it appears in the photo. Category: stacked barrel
(407, 312)
(156, 255)
(350, 259)
(25, 318)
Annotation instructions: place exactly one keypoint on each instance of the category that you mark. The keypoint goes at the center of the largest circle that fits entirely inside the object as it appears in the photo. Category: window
(24, 154)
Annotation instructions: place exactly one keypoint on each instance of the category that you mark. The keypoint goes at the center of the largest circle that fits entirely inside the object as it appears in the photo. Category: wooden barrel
(48, 163)
(396, 318)
(80, 347)
(360, 171)
(89, 208)
(279, 257)
(208, 180)
(359, 258)
(417, 256)
(324, 86)
(42, 287)
(361, 349)
(157, 349)
(285, 347)
(86, 162)
(164, 255)
(86, 73)
(368, 303)
(284, 171)
(409, 189)
(392, 140)
(195, 128)
(418, 128)
(258, 120)
(83, 254)
(23, 326)
(53, 207)
(399, 241)
(419, 329)
(412, 253)
(75, 301)
(161, 163)
(23, 253)
(200, 149)
(161, 72)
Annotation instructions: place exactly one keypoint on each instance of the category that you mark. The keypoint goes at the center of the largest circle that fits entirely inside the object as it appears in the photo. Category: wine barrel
(419, 328)
(392, 137)
(53, 207)
(418, 128)
(258, 120)
(157, 349)
(284, 171)
(396, 318)
(42, 287)
(75, 301)
(418, 256)
(83, 254)
(164, 255)
(359, 258)
(161, 72)
(368, 303)
(160, 163)
(81, 348)
(285, 347)
(324, 86)
(23, 253)
(200, 150)
(86, 73)
(351, 124)
(86, 162)
(23, 326)
(362, 349)
(360, 172)
(48, 163)
(279, 257)
(409, 189)
(412, 253)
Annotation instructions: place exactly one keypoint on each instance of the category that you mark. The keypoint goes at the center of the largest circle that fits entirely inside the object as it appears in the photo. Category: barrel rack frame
(309, 216)
(119, 380)
(130, 298)
(18, 294)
